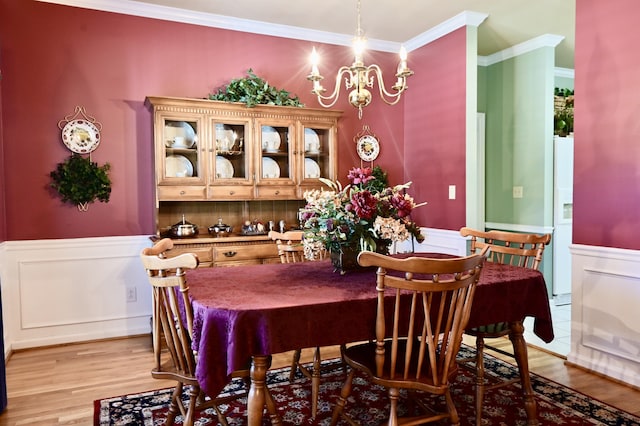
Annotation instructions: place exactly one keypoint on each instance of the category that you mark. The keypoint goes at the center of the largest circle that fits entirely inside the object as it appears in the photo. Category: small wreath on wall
(79, 180)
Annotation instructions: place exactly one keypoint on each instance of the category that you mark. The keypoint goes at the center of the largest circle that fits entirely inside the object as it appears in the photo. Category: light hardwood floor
(57, 385)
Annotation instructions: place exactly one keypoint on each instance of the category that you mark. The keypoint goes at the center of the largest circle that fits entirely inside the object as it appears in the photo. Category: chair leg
(342, 400)
(520, 353)
(271, 406)
(315, 382)
(454, 419)
(174, 407)
(394, 394)
(479, 378)
(294, 364)
(189, 417)
(343, 348)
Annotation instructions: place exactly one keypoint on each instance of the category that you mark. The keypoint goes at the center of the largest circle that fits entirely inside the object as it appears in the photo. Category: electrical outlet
(132, 295)
(452, 192)
(517, 192)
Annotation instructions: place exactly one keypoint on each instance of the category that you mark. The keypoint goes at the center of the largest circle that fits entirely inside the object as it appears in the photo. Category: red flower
(402, 205)
(364, 204)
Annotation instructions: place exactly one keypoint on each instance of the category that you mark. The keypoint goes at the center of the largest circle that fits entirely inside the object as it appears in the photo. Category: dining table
(244, 314)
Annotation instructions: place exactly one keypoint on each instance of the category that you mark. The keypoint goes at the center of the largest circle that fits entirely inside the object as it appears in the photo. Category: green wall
(519, 142)
(517, 96)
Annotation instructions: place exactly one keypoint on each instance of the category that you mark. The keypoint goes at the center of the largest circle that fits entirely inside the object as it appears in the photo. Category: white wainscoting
(605, 331)
(72, 290)
(436, 241)
(61, 291)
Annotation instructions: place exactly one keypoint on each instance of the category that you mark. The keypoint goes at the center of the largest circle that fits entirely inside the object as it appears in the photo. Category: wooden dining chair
(173, 323)
(512, 248)
(289, 244)
(291, 250)
(429, 303)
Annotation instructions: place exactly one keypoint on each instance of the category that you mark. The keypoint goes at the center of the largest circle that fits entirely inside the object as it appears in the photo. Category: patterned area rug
(557, 405)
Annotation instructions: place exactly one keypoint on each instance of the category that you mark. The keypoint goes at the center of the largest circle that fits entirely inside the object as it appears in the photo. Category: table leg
(520, 353)
(257, 395)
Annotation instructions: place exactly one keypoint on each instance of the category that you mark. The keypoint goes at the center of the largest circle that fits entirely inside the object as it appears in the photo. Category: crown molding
(167, 13)
(462, 19)
(545, 40)
(564, 72)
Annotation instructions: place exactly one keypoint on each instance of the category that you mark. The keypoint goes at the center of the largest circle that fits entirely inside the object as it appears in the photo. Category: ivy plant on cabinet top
(253, 90)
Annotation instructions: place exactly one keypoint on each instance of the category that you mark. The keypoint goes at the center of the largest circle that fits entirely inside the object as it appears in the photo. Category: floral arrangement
(367, 214)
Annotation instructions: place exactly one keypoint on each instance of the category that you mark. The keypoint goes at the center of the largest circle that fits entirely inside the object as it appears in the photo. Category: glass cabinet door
(275, 143)
(231, 153)
(317, 150)
(181, 157)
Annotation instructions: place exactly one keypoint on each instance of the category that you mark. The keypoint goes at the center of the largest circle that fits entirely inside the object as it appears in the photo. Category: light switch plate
(452, 192)
(517, 192)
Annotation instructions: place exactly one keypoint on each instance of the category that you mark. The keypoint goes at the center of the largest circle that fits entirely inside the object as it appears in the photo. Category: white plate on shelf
(224, 137)
(311, 169)
(270, 139)
(270, 168)
(178, 166)
(311, 141)
(224, 168)
(180, 129)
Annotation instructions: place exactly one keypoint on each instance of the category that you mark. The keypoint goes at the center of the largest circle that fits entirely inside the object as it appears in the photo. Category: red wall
(435, 131)
(108, 63)
(607, 130)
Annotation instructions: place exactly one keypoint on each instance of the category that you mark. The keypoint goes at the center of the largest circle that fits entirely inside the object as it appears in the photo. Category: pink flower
(359, 176)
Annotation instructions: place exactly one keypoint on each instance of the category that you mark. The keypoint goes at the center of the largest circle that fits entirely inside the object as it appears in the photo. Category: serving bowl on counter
(183, 229)
(220, 229)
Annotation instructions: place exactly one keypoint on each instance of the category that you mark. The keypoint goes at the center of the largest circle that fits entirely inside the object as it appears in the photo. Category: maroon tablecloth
(268, 309)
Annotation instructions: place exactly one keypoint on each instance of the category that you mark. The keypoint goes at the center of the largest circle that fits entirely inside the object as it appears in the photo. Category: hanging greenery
(80, 181)
(253, 90)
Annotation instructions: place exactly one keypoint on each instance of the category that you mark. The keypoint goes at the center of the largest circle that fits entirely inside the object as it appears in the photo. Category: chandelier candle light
(358, 77)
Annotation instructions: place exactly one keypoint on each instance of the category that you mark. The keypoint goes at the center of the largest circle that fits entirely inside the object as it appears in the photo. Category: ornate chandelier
(358, 77)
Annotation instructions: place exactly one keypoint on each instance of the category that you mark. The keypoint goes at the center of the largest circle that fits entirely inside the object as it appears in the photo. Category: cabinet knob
(182, 192)
(277, 192)
(232, 192)
(230, 253)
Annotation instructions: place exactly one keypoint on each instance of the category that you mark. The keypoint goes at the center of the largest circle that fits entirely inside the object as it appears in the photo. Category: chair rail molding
(71, 290)
(435, 241)
(605, 293)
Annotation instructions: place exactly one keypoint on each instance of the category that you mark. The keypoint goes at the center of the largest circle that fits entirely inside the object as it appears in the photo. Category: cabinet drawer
(181, 193)
(231, 192)
(237, 263)
(204, 253)
(276, 192)
(244, 252)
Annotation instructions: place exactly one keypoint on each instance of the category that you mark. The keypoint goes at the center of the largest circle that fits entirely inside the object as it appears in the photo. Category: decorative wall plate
(81, 136)
(368, 147)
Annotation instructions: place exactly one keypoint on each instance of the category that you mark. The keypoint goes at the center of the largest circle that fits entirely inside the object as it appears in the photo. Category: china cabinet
(217, 160)
(210, 150)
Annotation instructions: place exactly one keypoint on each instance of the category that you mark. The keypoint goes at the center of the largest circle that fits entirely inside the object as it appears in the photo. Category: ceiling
(509, 22)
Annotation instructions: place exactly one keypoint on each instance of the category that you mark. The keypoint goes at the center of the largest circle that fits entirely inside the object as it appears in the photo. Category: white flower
(390, 229)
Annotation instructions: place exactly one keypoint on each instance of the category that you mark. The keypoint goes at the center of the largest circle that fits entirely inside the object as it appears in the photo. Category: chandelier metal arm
(388, 97)
(318, 90)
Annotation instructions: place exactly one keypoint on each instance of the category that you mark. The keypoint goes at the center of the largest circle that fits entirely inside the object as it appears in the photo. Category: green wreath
(80, 181)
